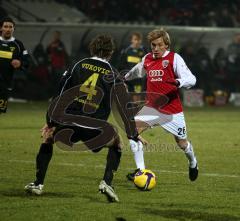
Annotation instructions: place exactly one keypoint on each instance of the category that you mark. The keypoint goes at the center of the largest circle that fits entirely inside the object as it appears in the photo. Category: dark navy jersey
(9, 50)
(95, 78)
(90, 88)
(130, 57)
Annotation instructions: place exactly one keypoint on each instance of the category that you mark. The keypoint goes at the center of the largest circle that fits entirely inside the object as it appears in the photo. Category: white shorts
(174, 123)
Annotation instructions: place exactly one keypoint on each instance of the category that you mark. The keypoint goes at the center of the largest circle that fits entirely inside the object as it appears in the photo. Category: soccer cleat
(108, 191)
(131, 176)
(34, 189)
(193, 173)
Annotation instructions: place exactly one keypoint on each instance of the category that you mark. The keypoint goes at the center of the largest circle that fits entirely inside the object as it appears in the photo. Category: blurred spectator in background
(204, 70)
(211, 19)
(233, 59)
(58, 58)
(225, 18)
(130, 56)
(40, 70)
(188, 53)
(3, 13)
(220, 70)
(176, 12)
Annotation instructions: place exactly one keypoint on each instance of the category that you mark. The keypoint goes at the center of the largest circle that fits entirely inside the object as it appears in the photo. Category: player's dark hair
(102, 46)
(158, 33)
(137, 34)
(6, 19)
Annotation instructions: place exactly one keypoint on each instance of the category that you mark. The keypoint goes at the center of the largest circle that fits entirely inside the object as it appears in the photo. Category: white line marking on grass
(128, 169)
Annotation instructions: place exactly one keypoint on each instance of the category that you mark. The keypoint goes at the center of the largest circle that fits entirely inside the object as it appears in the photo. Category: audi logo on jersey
(156, 75)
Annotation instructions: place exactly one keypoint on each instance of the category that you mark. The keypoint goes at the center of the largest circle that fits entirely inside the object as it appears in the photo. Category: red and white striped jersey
(158, 71)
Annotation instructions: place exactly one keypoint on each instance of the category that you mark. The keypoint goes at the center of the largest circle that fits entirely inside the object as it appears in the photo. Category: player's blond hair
(159, 33)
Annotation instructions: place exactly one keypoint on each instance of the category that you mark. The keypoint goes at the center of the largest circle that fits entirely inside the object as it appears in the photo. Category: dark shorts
(79, 134)
(4, 94)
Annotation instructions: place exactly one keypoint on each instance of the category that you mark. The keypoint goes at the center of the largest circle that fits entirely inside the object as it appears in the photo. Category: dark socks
(42, 160)
(113, 161)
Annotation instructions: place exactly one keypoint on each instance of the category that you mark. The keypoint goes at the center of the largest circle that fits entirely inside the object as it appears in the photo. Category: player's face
(158, 47)
(56, 36)
(7, 30)
(136, 42)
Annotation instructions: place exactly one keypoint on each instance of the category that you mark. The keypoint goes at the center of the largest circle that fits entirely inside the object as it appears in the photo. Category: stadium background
(202, 32)
(72, 180)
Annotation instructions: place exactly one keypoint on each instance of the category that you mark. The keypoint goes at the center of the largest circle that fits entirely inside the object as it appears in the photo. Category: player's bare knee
(182, 143)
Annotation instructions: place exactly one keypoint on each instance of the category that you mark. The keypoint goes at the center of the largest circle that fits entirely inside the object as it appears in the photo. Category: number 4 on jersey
(89, 86)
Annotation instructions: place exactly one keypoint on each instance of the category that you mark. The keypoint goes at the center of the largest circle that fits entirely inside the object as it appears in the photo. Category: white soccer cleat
(108, 191)
(34, 189)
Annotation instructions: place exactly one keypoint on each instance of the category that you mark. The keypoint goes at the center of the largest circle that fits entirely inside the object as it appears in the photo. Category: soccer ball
(145, 180)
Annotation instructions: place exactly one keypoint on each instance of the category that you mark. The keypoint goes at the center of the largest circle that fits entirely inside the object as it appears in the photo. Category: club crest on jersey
(12, 48)
(165, 63)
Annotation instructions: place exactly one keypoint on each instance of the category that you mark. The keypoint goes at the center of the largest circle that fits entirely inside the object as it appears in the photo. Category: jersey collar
(164, 54)
(100, 59)
(10, 39)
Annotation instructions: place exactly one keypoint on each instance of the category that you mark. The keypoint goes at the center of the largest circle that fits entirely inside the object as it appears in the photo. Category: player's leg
(176, 125)
(3, 105)
(145, 119)
(137, 150)
(112, 161)
(4, 94)
(187, 147)
(42, 161)
(112, 164)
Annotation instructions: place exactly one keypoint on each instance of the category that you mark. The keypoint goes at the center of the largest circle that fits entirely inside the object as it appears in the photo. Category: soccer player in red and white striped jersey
(166, 72)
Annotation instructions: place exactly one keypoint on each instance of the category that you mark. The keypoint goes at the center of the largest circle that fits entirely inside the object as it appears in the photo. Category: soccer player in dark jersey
(131, 56)
(88, 87)
(13, 56)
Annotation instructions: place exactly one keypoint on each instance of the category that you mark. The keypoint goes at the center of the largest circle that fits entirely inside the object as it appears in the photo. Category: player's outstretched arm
(184, 76)
(137, 71)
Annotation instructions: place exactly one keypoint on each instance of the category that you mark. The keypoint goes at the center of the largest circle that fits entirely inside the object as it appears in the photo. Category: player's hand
(16, 63)
(173, 82)
(47, 132)
(145, 142)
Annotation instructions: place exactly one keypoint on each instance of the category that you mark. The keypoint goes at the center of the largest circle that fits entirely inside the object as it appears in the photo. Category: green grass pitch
(71, 186)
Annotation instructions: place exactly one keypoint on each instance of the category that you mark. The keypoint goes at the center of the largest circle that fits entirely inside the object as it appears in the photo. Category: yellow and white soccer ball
(145, 180)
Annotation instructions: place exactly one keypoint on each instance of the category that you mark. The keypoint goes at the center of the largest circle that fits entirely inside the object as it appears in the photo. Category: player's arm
(185, 78)
(137, 71)
(121, 98)
(65, 83)
(22, 60)
(69, 79)
(25, 59)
